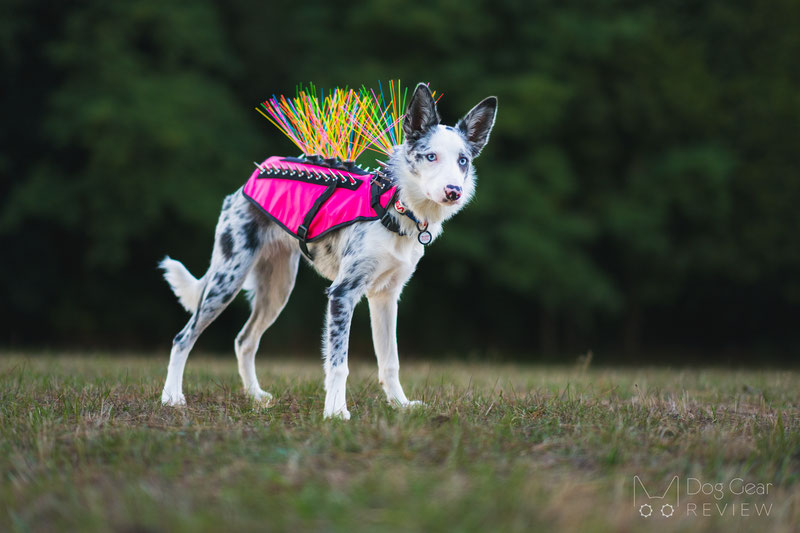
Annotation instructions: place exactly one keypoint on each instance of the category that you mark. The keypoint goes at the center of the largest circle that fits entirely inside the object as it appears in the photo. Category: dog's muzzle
(452, 192)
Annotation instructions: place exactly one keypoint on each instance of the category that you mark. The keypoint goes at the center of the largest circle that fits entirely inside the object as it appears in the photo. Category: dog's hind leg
(273, 279)
(383, 317)
(239, 239)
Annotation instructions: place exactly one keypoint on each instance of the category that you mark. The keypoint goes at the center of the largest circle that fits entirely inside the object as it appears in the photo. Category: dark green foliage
(639, 186)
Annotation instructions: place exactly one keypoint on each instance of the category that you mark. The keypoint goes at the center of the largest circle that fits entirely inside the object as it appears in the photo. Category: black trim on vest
(380, 184)
(335, 162)
(305, 175)
(302, 231)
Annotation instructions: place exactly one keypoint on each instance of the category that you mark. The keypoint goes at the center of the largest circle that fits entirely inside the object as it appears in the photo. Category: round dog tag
(424, 237)
(400, 207)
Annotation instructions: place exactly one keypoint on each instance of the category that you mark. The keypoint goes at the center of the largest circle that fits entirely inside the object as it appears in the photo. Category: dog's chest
(383, 259)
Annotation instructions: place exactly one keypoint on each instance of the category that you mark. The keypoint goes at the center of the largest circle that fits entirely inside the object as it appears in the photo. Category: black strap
(302, 231)
(380, 184)
(388, 221)
(392, 224)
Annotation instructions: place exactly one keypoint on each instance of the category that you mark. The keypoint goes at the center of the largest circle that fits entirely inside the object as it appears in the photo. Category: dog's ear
(477, 124)
(421, 114)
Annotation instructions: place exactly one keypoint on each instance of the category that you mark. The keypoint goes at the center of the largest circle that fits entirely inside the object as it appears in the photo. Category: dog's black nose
(452, 192)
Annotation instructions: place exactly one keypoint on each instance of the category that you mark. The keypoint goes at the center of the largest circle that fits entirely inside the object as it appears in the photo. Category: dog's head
(438, 158)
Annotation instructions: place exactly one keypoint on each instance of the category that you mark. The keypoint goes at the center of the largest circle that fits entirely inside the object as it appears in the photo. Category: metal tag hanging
(424, 236)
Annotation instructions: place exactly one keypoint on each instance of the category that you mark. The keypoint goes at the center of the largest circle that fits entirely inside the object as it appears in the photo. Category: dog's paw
(173, 400)
(342, 414)
(261, 397)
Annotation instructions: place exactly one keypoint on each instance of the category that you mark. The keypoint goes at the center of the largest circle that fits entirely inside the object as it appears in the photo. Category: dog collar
(424, 236)
(382, 182)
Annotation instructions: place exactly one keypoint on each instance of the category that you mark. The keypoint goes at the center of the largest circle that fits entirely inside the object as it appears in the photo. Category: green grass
(86, 446)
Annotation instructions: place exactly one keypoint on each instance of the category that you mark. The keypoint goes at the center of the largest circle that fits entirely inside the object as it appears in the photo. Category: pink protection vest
(309, 200)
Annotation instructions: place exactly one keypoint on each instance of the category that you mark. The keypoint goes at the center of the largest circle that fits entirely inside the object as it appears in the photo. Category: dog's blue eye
(462, 161)
(431, 157)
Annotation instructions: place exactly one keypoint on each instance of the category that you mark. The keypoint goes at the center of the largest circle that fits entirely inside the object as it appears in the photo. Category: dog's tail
(186, 287)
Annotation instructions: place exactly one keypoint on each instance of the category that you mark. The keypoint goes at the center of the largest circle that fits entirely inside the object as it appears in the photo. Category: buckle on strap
(302, 232)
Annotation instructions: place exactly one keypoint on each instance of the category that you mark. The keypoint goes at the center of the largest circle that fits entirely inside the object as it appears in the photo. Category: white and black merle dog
(435, 177)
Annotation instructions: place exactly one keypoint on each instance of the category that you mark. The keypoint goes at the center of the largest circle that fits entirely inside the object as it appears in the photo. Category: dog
(435, 178)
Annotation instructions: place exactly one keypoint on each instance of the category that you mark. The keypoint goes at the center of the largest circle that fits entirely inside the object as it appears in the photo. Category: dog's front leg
(342, 298)
(383, 316)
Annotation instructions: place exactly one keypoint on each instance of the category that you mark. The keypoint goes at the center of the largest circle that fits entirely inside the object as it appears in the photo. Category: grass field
(86, 446)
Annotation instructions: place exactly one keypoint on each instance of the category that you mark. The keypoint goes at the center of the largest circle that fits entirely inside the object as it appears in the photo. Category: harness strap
(379, 186)
(388, 221)
(302, 231)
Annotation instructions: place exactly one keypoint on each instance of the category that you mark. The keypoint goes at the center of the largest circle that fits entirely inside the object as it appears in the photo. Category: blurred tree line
(640, 190)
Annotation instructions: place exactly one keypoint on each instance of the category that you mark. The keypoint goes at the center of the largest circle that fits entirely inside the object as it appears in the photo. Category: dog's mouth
(443, 200)
(447, 202)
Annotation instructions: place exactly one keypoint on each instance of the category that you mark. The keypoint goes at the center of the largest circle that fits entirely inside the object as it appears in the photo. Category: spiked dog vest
(309, 197)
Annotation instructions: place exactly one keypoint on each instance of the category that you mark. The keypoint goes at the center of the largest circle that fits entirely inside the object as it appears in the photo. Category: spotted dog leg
(238, 242)
(274, 278)
(343, 295)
